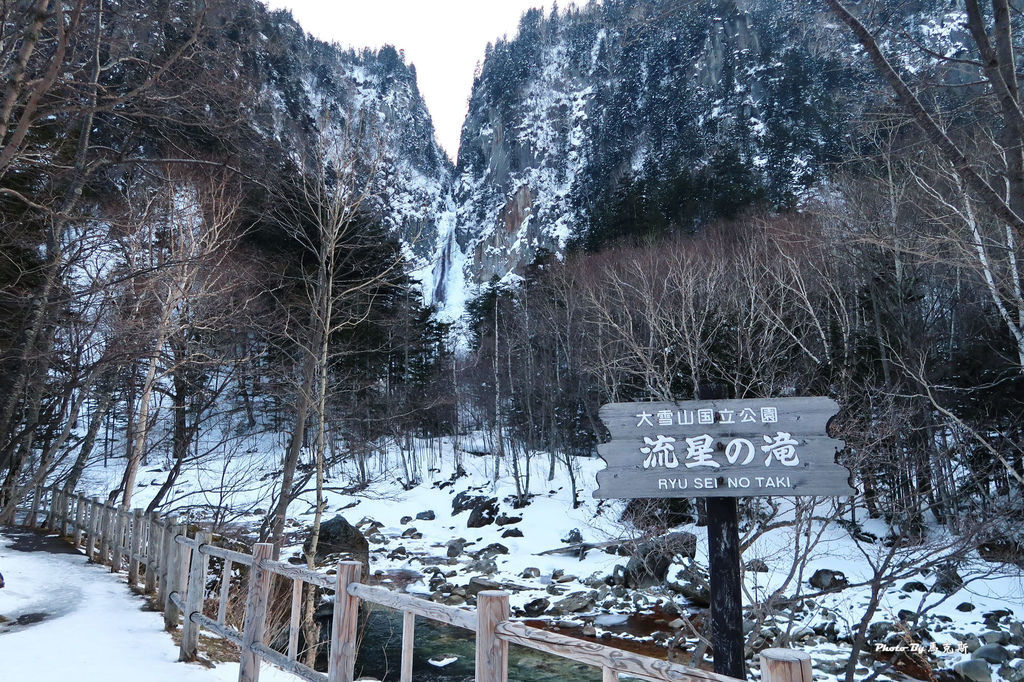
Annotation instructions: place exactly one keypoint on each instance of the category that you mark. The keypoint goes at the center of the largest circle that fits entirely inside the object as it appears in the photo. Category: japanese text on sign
(660, 451)
(748, 415)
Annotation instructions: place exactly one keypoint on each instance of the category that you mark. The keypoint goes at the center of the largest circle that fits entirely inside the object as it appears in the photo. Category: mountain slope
(641, 117)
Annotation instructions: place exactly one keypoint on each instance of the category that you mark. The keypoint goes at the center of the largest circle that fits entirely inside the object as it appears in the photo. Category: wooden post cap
(782, 654)
(785, 665)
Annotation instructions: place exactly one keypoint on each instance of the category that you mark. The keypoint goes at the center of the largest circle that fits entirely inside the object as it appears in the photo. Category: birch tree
(176, 259)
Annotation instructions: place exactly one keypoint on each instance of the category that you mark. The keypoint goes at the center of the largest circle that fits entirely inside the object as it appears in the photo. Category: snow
(95, 629)
(404, 482)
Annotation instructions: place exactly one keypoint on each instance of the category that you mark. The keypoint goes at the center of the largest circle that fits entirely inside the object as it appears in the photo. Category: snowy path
(94, 629)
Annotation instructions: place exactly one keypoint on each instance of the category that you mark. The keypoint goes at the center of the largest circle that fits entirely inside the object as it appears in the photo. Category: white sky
(443, 38)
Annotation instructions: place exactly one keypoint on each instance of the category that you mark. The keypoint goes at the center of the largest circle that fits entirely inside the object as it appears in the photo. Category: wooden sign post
(722, 450)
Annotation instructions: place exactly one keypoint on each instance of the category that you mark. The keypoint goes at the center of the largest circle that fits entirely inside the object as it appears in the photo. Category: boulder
(826, 579)
(654, 514)
(992, 618)
(651, 560)
(693, 583)
(405, 519)
(426, 516)
(914, 586)
(504, 520)
(483, 513)
(493, 549)
(371, 525)
(965, 607)
(992, 653)
(1012, 673)
(531, 572)
(974, 670)
(338, 536)
(536, 607)
(477, 585)
(877, 632)
(1003, 550)
(483, 566)
(465, 501)
(996, 637)
(1017, 633)
(455, 547)
(947, 580)
(512, 533)
(575, 602)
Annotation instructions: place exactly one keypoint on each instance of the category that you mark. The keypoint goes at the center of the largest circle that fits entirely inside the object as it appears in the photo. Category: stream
(380, 654)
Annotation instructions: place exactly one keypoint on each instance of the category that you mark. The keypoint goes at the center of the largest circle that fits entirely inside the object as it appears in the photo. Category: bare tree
(177, 256)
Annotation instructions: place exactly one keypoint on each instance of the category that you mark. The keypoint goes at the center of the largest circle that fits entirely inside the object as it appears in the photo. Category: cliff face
(639, 116)
(310, 95)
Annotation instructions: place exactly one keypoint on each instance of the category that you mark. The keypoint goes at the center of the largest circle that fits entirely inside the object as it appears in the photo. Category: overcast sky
(443, 38)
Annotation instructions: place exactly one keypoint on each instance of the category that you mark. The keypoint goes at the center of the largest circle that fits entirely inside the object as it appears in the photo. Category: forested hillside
(203, 209)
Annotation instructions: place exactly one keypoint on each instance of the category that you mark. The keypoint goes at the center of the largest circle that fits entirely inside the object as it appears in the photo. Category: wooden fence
(174, 568)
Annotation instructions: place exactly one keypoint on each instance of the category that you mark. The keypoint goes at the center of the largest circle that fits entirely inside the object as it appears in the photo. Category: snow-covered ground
(408, 553)
(94, 629)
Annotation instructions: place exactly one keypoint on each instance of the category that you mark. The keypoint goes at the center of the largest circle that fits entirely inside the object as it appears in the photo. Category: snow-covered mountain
(639, 116)
(311, 93)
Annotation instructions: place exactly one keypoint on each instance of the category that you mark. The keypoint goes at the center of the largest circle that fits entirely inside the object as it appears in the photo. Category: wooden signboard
(721, 448)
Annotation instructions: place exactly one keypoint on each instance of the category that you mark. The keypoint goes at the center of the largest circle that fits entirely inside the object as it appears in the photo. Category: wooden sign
(721, 448)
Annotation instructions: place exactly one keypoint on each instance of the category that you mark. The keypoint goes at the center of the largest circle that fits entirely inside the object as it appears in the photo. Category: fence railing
(174, 568)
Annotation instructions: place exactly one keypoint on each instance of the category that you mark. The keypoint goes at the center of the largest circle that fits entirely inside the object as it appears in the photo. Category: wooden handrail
(421, 607)
(229, 554)
(178, 565)
(298, 573)
(602, 656)
(285, 663)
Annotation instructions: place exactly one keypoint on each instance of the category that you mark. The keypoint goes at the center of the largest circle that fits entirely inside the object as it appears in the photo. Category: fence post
(51, 511)
(90, 537)
(293, 621)
(341, 664)
(255, 613)
(79, 510)
(65, 514)
(194, 595)
(58, 508)
(120, 515)
(104, 533)
(175, 558)
(152, 542)
(54, 515)
(408, 644)
(491, 651)
(166, 534)
(785, 665)
(135, 548)
(225, 592)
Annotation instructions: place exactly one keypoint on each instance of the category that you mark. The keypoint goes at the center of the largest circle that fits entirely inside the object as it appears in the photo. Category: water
(380, 654)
